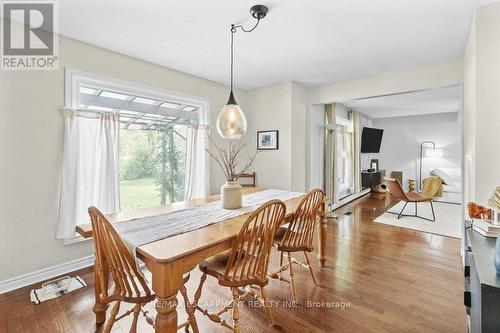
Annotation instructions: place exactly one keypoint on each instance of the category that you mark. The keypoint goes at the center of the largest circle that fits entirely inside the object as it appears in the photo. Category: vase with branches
(229, 158)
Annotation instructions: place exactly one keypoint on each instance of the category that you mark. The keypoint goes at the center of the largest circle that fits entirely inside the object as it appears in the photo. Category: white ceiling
(313, 42)
(440, 100)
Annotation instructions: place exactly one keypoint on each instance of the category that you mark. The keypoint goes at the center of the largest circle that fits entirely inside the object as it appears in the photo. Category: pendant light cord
(233, 31)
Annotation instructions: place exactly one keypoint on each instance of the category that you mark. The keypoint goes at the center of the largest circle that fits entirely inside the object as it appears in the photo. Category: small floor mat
(44, 294)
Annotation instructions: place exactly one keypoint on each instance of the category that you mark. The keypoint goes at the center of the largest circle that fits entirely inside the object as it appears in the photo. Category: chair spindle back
(112, 254)
(249, 257)
(300, 232)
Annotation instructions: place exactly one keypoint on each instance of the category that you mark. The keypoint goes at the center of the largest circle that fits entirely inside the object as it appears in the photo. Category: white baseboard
(350, 198)
(45, 274)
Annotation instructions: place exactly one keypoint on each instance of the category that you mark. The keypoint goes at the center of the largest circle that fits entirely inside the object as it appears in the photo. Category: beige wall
(31, 137)
(300, 135)
(482, 99)
(279, 107)
(269, 108)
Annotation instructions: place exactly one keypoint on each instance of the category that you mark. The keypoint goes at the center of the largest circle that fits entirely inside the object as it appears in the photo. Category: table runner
(145, 230)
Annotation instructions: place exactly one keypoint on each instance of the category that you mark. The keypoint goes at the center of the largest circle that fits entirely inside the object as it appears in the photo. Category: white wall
(422, 77)
(469, 114)
(400, 146)
(299, 136)
(316, 145)
(31, 137)
(482, 99)
(281, 107)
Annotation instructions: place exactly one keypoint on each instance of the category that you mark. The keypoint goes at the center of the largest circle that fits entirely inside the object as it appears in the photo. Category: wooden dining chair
(398, 194)
(298, 237)
(245, 264)
(251, 176)
(114, 259)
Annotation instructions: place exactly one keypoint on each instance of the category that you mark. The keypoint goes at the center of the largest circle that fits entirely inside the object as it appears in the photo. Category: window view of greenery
(152, 166)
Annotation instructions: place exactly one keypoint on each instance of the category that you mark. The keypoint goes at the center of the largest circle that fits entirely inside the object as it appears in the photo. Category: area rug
(448, 218)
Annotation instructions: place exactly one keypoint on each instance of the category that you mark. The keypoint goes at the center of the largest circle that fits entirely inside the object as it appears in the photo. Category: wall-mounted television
(371, 140)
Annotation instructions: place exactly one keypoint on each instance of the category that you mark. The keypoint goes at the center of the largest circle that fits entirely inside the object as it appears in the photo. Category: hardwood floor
(378, 278)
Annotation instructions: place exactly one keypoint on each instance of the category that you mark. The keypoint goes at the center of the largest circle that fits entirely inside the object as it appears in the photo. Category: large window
(152, 145)
(128, 146)
(152, 164)
(152, 135)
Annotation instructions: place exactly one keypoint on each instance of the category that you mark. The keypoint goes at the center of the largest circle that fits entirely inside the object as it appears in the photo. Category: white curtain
(197, 179)
(356, 145)
(331, 178)
(90, 169)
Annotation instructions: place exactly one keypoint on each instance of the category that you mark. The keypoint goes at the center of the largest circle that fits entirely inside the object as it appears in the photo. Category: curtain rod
(93, 114)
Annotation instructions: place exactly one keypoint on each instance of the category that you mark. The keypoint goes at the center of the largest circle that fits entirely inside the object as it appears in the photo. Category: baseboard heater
(348, 199)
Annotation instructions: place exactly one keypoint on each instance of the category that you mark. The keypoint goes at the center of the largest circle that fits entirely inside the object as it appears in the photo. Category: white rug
(56, 288)
(448, 218)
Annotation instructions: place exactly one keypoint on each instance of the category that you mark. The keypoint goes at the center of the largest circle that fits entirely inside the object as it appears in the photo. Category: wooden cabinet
(370, 179)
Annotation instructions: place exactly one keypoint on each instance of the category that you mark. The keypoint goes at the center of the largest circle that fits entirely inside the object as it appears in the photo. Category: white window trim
(74, 78)
(347, 123)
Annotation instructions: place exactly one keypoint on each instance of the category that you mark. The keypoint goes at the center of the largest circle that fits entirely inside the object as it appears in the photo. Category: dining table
(170, 258)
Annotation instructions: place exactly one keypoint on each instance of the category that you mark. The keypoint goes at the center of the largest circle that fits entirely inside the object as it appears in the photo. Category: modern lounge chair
(398, 194)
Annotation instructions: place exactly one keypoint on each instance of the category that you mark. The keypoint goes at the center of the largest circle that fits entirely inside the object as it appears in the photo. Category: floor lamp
(420, 184)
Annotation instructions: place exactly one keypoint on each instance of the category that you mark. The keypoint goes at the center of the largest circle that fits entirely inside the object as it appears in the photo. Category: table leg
(166, 319)
(99, 307)
(322, 236)
(167, 281)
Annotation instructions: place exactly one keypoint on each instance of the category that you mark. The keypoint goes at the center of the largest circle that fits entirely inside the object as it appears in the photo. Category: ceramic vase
(231, 194)
(497, 255)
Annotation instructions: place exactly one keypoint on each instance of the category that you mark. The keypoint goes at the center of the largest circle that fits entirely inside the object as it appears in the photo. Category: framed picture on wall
(268, 140)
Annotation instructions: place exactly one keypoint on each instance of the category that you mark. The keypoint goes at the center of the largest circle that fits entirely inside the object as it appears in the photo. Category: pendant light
(231, 122)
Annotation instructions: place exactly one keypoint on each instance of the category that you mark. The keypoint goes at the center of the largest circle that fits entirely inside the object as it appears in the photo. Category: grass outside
(138, 193)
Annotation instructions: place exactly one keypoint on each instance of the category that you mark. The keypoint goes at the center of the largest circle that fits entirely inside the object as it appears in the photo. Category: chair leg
(137, 311)
(197, 294)
(277, 274)
(402, 210)
(281, 264)
(432, 209)
(387, 207)
(236, 311)
(149, 318)
(310, 269)
(111, 320)
(292, 278)
(269, 312)
(190, 311)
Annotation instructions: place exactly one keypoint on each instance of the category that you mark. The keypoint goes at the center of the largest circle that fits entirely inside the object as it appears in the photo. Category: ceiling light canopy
(231, 122)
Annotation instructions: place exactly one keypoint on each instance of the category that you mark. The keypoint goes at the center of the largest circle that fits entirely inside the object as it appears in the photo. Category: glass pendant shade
(231, 122)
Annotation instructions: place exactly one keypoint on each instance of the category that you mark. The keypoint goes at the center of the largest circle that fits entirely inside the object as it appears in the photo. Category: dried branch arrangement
(494, 201)
(229, 158)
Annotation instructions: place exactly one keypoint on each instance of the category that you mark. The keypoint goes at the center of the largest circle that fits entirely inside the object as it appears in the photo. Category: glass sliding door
(344, 160)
